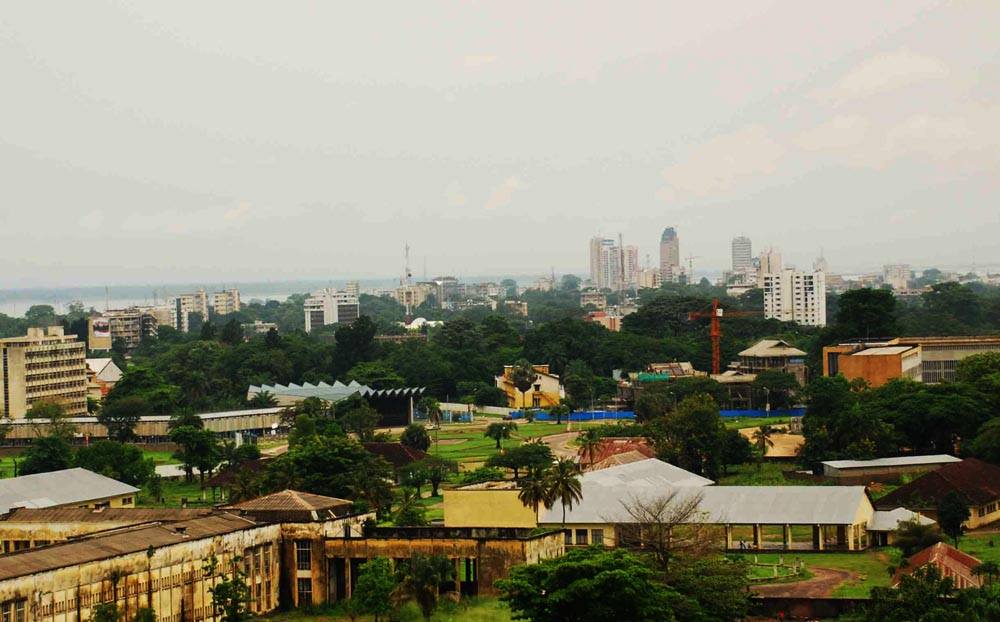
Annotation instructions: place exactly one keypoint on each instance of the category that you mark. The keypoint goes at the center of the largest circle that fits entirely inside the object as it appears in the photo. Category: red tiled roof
(613, 446)
(937, 554)
(977, 481)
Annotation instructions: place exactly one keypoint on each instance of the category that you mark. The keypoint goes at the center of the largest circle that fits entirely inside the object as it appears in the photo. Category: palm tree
(499, 431)
(264, 399)
(522, 376)
(762, 439)
(534, 490)
(589, 441)
(564, 485)
(420, 578)
(432, 408)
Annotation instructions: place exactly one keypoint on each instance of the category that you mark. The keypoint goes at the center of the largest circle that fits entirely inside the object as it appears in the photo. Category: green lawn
(466, 444)
(174, 492)
(870, 567)
(769, 474)
(469, 610)
(738, 423)
(978, 545)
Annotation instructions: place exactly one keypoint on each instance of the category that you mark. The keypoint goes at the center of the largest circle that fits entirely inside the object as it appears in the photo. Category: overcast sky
(189, 141)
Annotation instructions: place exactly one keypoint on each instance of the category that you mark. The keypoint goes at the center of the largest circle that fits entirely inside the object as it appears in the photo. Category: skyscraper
(742, 254)
(670, 255)
(613, 266)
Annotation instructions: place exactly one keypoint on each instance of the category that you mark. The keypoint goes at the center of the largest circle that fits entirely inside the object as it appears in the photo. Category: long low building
(881, 468)
(395, 405)
(746, 517)
(293, 548)
(69, 487)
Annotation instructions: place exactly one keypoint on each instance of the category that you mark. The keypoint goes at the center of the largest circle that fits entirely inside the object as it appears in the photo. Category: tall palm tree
(499, 431)
(264, 399)
(534, 490)
(589, 441)
(564, 484)
(762, 439)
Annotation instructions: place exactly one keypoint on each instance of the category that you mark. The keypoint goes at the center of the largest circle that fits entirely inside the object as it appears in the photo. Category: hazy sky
(187, 141)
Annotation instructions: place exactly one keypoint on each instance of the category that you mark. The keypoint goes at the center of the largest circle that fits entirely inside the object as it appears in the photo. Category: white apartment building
(795, 296)
(897, 276)
(181, 307)
(226, 302)
(44, 365)
(329, 306)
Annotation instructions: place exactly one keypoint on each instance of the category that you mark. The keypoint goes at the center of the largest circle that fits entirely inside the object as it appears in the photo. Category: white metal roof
(890, 462)
(890, 520)
(43, 490)
(606, 492)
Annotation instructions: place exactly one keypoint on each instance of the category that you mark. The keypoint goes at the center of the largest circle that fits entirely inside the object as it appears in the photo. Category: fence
(777, 412)
(581, 415)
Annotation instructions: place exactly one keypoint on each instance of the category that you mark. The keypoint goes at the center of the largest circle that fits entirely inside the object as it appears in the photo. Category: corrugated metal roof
(102, 515)
(889, 520)
(605, 492)
(290, 500)
(64, 487)
(116, 543)
(883, 351)
(891, 462)
(330, 392)
(772, 347)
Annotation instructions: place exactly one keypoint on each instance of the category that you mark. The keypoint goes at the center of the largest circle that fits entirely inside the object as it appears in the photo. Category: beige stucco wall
(486, 508)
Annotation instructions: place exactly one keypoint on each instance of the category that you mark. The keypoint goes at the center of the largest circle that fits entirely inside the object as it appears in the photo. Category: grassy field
(980, 547)
(769, 474)
(869, 569)
(466, 444)
(469, 610)
(738, 423)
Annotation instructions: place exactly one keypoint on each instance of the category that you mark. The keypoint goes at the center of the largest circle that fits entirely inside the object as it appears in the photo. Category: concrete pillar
(458, 576)
(756, 536)
(787, 536)
(850, 537)
(347, 578)
(817, 537)
(729, 537)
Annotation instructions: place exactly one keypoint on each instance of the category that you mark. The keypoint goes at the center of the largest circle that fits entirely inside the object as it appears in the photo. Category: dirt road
(823, 582)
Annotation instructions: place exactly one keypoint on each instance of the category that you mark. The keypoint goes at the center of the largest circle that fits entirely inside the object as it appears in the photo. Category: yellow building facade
(545, 392)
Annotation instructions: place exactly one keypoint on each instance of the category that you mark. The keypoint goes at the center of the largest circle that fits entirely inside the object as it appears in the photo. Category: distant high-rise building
(897, 275)
(795, 296)
(613, 266)
(821, 265)
(329, 306)
(353, 288)
(670, 255)
(181, 308)
(768, 263)
(742, 254)
(226, 302)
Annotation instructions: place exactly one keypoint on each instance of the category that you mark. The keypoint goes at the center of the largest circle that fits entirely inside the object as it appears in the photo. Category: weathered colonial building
(293, 549)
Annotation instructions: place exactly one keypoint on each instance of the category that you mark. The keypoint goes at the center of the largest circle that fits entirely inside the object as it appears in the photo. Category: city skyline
(487, 143)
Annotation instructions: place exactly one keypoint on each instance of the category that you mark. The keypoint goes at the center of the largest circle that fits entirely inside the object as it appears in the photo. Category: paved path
(823, 582)
(562, 444)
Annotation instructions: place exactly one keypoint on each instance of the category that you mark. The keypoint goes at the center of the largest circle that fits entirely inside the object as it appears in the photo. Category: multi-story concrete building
(330, 306)
(413, 295)
(182, 306)
(612, 265)
(257, 327)
(593, 299)
(924, 359)
(226, 302)
(670, 255)
(44, 365)
(897, 276)
(647, 278)
(768, 263)
(742, 254)
(353, 288)
(795, 296)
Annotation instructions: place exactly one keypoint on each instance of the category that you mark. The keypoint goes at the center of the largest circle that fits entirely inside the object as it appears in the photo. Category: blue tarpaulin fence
(594, 415)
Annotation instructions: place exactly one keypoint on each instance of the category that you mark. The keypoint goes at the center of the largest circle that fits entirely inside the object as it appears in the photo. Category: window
(597, 536)
(12, 610)
(303, 554)
(305, 588)
(581, 536)
(127, 501)
(267, 560)
(567, 537)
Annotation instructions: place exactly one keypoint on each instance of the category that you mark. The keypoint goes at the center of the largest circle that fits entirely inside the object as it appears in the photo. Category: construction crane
(715, 330)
